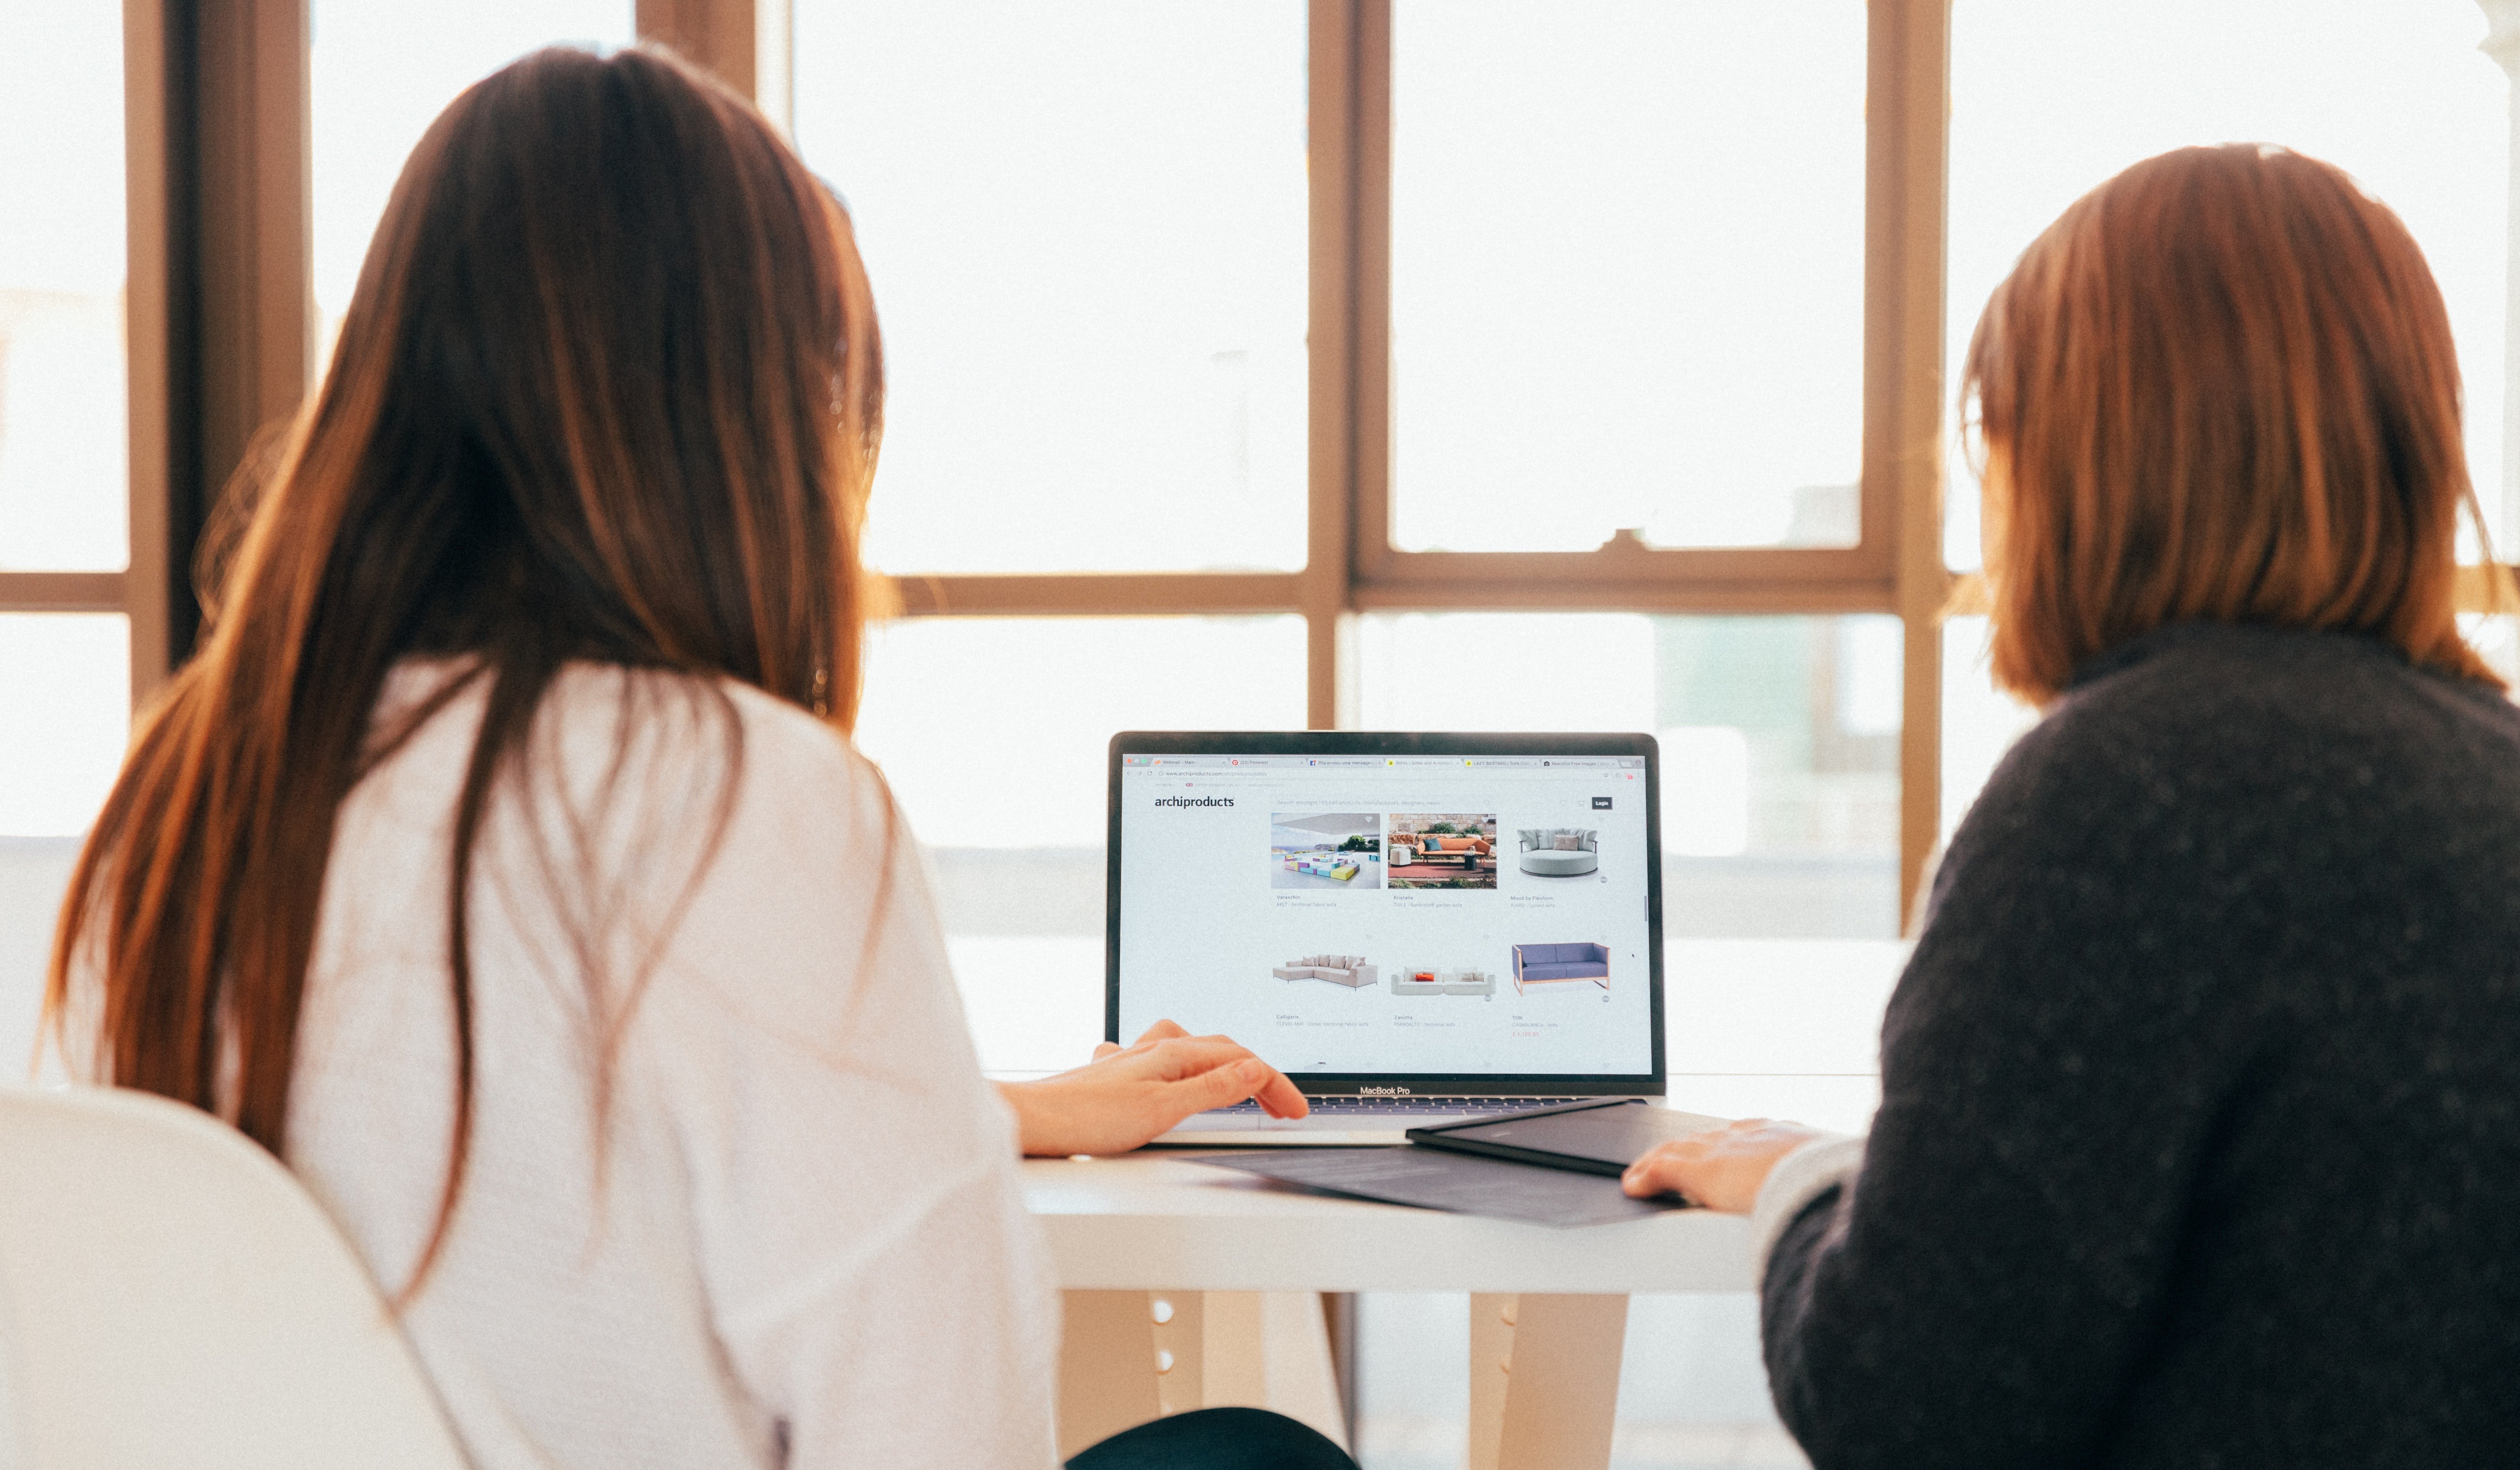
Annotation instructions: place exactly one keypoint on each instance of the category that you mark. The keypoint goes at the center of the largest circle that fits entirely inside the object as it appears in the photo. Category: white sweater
(792, 1234)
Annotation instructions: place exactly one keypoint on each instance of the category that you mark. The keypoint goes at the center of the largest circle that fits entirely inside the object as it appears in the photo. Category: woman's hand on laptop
(1721, 1168)
(1127, 1096)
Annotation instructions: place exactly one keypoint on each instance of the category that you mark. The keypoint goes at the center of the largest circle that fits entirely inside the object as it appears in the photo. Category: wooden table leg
(1544, 1380)
(1129, 1357)
(1107, 1367)
(1303, 1373)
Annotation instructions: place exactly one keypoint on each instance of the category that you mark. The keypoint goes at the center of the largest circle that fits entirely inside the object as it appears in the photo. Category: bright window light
(2050, 100)
(1705, 791)
(1980, 722)
(1627, 272)
(1086, 226)
(63, 456)
(64, 720)
(1572, 671)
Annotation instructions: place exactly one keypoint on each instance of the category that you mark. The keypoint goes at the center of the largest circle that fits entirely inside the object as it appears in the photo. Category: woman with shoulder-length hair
(501, 864)
(2200, 1139)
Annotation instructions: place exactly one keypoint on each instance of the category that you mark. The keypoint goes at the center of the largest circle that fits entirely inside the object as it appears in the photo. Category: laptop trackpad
(1319, 1122)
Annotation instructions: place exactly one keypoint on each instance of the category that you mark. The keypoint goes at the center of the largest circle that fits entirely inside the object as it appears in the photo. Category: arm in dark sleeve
(1978, 1291)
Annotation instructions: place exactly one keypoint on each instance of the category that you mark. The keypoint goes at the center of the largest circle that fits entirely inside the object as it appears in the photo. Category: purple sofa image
(1561, 964)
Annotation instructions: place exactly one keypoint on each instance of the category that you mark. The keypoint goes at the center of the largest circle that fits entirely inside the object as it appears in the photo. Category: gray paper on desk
(1432, 1180)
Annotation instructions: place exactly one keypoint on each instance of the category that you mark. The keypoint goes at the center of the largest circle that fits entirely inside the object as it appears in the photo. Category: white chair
(169, 1296)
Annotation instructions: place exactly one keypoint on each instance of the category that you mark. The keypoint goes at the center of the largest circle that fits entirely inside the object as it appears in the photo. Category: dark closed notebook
(1485, 1167)
(1433, 1179)
(1588, 1138)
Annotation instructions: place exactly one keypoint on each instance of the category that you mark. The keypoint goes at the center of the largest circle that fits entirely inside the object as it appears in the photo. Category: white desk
(1784, 1030)
(1191, 1287)
(1149, 1220)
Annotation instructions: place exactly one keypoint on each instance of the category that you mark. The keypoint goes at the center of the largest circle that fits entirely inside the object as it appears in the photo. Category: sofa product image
(1339, 865)
(1349, 970)
(1560, 851)
(1560, 964)
(1442, 982)
(1436, 847)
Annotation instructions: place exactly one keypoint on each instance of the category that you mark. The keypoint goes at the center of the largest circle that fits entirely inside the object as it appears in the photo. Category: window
(1332, 258)
(62, 449)
(1266, 315)
(1606, 312)
(65, 719)
(1086, 227)
(992, 733)
(1779, 742)
(2046, 103)
(65, 527)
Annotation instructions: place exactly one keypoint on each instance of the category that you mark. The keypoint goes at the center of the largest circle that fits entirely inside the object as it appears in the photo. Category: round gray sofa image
(1560, 851)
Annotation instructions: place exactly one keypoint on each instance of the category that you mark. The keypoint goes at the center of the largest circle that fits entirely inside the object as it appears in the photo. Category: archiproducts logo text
(1194, 801)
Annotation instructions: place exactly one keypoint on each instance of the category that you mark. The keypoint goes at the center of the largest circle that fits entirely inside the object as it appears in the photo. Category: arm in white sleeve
(874, 1279)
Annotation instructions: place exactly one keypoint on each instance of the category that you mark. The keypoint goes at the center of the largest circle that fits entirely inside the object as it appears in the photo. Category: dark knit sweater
(2199, 1141)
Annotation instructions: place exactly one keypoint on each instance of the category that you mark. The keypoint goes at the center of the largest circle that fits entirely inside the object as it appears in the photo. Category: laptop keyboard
(1337, 1105)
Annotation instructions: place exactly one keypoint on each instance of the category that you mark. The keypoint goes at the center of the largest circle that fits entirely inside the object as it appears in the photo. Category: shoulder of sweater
(2227, 746)
(2184, 697)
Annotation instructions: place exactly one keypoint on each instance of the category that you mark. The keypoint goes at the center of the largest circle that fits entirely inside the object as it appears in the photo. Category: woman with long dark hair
(501, 863)
(2199, 1138)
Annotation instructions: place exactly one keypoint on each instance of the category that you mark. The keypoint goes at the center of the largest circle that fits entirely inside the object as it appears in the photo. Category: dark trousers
(1216, 1439)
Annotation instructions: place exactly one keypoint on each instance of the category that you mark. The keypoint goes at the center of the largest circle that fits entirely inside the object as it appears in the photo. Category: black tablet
(1589, 1138)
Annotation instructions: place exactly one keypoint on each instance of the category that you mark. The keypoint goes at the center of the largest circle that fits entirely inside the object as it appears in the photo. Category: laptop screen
(1465, 913)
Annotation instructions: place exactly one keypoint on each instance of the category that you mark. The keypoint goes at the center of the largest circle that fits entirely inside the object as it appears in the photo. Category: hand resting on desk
(1721, 1168)
(1127, 1096)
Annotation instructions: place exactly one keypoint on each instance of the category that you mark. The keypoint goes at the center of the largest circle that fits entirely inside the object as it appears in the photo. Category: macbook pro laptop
(1416, 929)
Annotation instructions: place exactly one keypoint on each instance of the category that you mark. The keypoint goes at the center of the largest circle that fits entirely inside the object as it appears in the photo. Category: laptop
(1416, 929)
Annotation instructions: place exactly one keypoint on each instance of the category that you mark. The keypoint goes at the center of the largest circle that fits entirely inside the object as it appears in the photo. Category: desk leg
(1133, 1356)
(1255, 1349)
(1107, 1367)
(1544, 1380)
(1302, 1374)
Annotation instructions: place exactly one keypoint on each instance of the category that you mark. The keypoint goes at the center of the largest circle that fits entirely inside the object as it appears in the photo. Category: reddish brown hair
(608, 390)
(2220, 386)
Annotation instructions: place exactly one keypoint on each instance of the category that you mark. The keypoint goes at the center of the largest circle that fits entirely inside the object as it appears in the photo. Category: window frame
(218, 305)
(1352, 566)
(220, 323)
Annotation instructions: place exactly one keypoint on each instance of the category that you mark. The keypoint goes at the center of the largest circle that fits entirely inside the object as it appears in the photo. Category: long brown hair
(608, 390)
(2220, 386)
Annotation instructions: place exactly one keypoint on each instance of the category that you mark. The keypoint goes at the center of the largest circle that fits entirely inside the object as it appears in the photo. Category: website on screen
(1414, 913)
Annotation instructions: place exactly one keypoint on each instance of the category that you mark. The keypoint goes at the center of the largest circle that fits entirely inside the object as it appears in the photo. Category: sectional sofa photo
(1324, 865)
(1349, 970)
